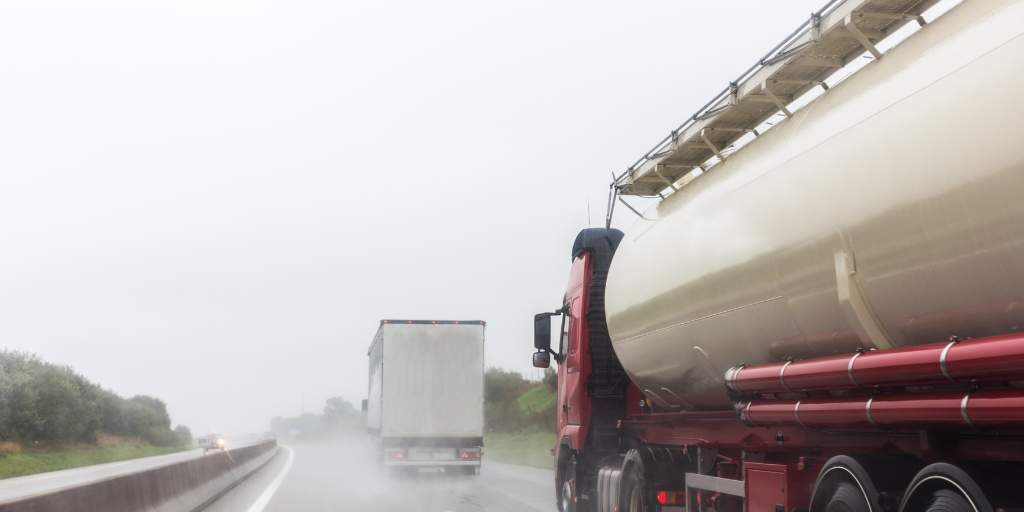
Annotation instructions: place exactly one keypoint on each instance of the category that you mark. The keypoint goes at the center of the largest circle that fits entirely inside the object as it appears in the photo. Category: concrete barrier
(183, 486)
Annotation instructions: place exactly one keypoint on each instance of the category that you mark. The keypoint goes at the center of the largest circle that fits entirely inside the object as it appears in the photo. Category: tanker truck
(822, 309)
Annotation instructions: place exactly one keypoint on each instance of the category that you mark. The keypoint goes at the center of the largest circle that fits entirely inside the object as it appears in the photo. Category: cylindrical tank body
(888, 212)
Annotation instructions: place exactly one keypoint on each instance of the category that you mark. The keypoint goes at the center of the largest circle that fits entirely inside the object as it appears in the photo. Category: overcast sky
(215, 203)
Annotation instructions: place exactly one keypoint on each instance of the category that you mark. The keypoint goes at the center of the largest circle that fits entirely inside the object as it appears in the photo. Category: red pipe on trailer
(994, 358)
(986, 409)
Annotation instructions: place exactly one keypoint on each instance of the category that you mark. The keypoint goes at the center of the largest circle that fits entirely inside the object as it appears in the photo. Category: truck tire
(634, 497)
(847, 498)
(566, 500)
(946, 500)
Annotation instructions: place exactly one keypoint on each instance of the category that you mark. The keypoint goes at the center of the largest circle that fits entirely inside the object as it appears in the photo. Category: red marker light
(668, 498)
(433, 322)
(384, 321)
(410, 321)
(456, 321)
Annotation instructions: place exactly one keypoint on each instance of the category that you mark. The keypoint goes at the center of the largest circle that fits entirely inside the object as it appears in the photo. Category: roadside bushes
(514, 404)
(51, 404)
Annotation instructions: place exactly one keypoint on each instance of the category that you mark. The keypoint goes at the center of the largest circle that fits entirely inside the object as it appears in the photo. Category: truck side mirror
(364, 405)
(542, 332)
(541, 359)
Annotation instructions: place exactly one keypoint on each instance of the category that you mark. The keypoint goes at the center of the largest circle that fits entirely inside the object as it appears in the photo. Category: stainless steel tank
(888, 212)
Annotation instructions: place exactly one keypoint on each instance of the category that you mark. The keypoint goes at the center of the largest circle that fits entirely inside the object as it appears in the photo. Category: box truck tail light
(671, 498)
(470, 455)
(393, 455)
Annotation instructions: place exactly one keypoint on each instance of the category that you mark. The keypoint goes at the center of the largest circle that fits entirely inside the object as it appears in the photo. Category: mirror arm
(558, 358)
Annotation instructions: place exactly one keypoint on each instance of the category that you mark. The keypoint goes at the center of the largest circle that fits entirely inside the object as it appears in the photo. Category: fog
(215, 203)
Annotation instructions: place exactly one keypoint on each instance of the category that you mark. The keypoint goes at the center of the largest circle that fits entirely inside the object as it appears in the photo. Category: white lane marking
(264, 498)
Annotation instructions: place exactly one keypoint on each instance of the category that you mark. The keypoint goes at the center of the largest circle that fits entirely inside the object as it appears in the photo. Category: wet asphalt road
(344, 477)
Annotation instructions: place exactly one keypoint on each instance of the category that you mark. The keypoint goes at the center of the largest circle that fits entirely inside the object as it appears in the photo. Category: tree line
(51, 404)
(339, 418)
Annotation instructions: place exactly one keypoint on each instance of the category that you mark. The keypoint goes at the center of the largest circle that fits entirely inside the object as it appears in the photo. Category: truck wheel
(847, 498)
(566, 499)
(945, 500)
(633, 497)
(942, 487)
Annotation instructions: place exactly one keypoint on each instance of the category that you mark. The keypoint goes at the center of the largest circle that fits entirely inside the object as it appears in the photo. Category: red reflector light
(410, 321)
(669, 497)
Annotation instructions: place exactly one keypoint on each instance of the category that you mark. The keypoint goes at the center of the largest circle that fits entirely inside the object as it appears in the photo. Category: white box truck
(425, 409)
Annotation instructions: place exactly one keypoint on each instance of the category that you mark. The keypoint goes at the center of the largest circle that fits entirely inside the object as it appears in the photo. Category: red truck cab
(593, 390)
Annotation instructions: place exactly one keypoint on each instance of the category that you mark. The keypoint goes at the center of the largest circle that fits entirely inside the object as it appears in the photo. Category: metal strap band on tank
(782, 376)
(796, 412)
(867, 409)
(746, 412)
(849, 370)
(942, 362)
(730, 377)
(963, 410)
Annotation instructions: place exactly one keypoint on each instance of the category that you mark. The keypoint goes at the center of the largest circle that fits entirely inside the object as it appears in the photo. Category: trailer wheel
(847, 498)
(945, 500)
(943, 487)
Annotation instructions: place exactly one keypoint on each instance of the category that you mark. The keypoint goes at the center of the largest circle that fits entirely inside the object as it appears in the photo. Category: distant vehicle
(426, 399)
(212, 442)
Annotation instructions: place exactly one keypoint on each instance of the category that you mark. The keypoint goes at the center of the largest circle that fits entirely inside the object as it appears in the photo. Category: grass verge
(21, 464)
(527, 449)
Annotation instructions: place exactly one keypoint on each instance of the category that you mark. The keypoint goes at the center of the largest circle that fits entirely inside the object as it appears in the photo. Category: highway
(344, 477)
(22, 486)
